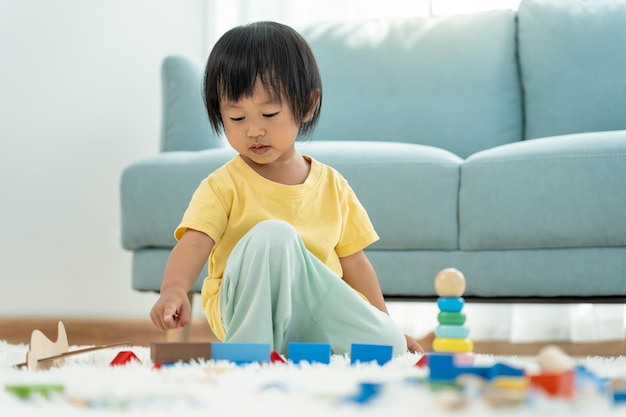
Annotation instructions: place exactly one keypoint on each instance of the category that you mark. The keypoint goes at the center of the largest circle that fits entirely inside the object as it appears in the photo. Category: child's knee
(272, 231)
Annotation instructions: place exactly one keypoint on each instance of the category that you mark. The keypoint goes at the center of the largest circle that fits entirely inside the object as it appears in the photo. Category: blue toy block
(240, 353)
(500, 369)
(442, 367)
(310, 352)
(585, 378)
(368, 353)
(481, 371)
(619, 397)
(450, 304)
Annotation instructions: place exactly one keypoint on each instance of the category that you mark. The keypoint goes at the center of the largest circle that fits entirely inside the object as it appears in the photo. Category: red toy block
(423, 362)
(555, 384)
(124, 357)
(275, 357)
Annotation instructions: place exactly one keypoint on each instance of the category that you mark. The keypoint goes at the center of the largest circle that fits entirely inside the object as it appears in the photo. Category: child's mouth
(260, 149)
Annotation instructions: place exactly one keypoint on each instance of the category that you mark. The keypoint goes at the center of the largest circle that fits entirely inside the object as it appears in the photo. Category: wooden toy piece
(44, 353)
(365, 353)
(452, 331)
(451, 304)
(451, 318)
(310, 352)
(240, 353)
(276, 357)
(124, 357)
(617, 388)
(552, 359)
(41, 347)
(555, 384)
(452, 345)
(450, 282)
(179, 352)
(40, 390)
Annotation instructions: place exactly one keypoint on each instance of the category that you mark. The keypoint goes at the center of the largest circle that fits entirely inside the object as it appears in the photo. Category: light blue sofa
(493, 143)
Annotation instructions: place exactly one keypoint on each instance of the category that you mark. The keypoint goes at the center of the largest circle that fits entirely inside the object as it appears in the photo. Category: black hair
(272, 52)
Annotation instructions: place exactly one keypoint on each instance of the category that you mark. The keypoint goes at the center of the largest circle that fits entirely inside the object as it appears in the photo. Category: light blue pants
(275, 291)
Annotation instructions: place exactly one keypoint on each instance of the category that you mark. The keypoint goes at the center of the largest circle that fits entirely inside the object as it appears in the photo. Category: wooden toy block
(500, 370)
(310, 352)
(442, 367)
(163, 352)
(240, 353)
(556, 385)
(450, 318)
(124, 357)
(450, 282)
(43, 353)
(450, 331)
(276, 357)
(451, 304)
(367, 353)
(35, 390)
(452, 345)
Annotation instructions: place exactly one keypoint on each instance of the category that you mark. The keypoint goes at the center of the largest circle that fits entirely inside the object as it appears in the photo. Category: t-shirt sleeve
(358, 231)
(207, 211)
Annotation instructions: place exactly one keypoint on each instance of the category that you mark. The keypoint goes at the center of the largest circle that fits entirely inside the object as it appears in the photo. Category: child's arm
(359, 273)
(172, 309)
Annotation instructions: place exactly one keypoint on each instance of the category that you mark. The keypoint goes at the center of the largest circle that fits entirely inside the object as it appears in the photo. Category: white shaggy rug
(94, 388)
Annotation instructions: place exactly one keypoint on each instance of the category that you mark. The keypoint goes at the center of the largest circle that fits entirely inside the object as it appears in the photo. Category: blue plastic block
(442, 367)
(500, 369)
(450, 304)
(367, 393)
(585, 378)
(240, 353)
(619, 397)
(481, 371)
(367, 353)
(310, 352)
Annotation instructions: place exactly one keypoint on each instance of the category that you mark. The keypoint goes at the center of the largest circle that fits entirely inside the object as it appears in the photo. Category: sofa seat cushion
(410, 191)
(558, 192)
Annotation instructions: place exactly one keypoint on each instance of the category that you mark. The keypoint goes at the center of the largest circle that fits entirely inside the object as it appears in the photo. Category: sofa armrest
(184, 125)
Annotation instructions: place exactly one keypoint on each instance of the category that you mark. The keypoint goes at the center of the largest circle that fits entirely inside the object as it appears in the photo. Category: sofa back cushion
(573, 66)
(184, 122)
(450, 82)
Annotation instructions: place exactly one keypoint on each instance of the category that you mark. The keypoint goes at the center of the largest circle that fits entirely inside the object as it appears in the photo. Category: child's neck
(293, 171)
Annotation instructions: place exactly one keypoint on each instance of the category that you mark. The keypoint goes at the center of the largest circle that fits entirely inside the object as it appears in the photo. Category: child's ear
(315, 100)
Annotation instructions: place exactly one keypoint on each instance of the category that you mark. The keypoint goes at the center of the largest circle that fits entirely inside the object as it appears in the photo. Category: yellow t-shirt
(228, 203)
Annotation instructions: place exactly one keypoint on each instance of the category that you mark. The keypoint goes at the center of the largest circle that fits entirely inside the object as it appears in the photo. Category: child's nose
(256, 129)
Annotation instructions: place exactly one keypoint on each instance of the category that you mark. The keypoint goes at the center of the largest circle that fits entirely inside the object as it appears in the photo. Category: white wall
(79, 101)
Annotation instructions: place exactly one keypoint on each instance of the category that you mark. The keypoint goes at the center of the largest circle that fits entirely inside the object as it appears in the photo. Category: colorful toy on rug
(43, 353)
(451, 335)
(245, 353)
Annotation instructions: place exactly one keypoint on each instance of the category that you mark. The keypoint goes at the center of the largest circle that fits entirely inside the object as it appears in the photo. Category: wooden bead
(452, 345)
(450, 304)
(450, 282)
(447, 317)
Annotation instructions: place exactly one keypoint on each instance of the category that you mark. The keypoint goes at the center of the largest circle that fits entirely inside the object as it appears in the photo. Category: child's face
(260, 128)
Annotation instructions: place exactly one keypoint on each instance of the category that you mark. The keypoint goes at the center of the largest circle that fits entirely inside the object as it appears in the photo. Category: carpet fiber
(91, 387)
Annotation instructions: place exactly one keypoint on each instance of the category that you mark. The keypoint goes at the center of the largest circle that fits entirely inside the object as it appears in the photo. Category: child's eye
(236, 119)
(268, 115)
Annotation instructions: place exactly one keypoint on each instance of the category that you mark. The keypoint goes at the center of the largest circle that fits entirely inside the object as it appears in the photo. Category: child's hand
(171, 311)
(412, 345)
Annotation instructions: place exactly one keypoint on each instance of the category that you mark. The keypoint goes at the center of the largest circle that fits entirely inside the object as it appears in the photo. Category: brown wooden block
(162, 352)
